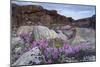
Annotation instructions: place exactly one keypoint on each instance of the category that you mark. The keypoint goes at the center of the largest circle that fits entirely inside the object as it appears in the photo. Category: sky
(68, 10)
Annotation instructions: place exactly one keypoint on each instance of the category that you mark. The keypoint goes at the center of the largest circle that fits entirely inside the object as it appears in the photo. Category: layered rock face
(36, 15)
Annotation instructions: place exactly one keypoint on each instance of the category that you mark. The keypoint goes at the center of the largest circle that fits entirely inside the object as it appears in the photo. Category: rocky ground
(41, 36)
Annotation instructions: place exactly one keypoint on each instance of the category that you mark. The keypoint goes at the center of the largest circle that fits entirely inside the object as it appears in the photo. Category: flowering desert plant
(53, 54)
(56, 55)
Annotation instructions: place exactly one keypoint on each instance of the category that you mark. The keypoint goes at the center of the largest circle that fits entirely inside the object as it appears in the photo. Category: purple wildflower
(60, 50)
(47, 53)
(43, 43)
(40, 43)
(26, 37)
(55, 53)
(34, 44)
(66, 46)
(49, 61)
(77, 48)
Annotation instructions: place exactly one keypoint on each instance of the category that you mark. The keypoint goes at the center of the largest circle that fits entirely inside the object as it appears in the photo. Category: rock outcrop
(31, 57)
(36, 15)
(84, 35)
(40, 32)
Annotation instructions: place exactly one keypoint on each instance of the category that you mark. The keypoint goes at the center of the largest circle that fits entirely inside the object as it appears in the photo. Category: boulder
(84, 35)
(42, 32)
(24, 29)
(16, 41)
(31, 57)
(62, 36)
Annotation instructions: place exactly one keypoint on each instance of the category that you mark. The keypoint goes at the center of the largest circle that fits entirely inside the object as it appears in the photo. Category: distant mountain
(89, 22)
